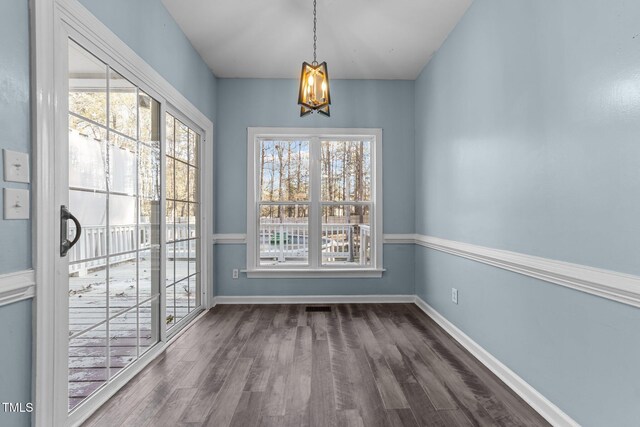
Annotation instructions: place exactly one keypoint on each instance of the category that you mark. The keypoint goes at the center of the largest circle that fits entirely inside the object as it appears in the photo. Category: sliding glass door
(130, 223)
(114, 193)
(183, 288)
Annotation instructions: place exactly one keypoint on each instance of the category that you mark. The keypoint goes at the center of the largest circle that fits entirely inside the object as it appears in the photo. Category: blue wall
(247, 103)
(527, 124)
(15, 319)
(527, 131)
(14, 122)
(147, 28)
(15, 358)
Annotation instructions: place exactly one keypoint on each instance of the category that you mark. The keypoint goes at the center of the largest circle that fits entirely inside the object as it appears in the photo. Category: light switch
(16, 166)
(16, 203)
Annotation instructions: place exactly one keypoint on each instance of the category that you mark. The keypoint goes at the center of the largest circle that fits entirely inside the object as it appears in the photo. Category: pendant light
(314, 82)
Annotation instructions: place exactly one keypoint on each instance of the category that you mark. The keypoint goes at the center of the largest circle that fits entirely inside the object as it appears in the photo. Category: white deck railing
(290, 241)
(91, 250)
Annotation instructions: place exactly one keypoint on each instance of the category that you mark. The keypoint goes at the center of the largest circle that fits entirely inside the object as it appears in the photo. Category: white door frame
(48, 21)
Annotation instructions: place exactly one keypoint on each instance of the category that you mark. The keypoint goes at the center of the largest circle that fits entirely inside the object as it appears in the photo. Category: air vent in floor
(318, 308)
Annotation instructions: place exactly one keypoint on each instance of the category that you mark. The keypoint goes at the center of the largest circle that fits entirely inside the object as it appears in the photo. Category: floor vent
(318, 308)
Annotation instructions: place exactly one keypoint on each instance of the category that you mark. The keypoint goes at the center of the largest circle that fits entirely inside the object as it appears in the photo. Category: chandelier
(314, 82)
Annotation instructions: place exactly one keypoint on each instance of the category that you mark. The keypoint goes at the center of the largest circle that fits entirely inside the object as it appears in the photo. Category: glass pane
(346, 235)
(87, 155)
(91, 211)
(123, 341)
(122, 283)
(182, 299)
(182, 181)
(149, 172)
(194, 145)
(346, 170)
(284, 234)
(87, 295)
(87, 85)
(170, 320)
(182, 259)
(123, 105)
(122, 164)
(197, 287)
(170, 122)
(122, 237)
(193, 220)
(148, 275)
(284, 170)
(181, 221)
(87, 364)
(193, 290)
(147, 327)
(122, 211)
(149, 110)
(182, 141)
(149, 228)
(181, 233)
(170, 218)
(170, 265)
(193, 184)
(170, 178)
(193, 261)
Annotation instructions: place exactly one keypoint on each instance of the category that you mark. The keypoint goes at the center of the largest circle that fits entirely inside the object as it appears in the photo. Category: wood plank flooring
(278, 365)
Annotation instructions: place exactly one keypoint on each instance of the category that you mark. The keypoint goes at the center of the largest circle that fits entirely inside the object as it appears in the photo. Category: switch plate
(16, 203)
(235, 273)
(16, 166)
(454, 295)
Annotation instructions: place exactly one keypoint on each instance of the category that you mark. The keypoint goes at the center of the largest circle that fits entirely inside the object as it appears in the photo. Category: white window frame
(315, 269)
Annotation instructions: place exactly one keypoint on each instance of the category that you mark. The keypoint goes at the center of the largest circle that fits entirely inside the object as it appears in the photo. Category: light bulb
(310, 80)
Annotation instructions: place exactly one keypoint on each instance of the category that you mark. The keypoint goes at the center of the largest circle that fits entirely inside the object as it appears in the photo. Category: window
(314, 205)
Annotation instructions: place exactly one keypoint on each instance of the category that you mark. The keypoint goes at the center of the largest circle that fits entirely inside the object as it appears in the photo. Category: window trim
(313, 270)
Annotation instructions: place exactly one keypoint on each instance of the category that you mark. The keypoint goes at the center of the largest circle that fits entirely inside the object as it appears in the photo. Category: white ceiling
(359, 39)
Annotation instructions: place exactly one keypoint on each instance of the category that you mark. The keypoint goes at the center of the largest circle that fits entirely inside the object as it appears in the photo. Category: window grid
(182, 170)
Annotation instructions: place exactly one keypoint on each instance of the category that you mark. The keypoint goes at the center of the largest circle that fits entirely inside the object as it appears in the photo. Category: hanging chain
(315, 38)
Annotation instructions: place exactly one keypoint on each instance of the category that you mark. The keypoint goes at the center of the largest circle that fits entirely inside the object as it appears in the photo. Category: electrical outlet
(454, 295)
(235, 273)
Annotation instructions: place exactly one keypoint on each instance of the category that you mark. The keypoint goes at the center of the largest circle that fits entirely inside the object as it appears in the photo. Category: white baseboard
(537, 401)
(17, 286)
(314, 299)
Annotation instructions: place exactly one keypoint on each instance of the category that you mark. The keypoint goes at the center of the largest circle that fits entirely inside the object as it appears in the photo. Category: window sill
(324, 273)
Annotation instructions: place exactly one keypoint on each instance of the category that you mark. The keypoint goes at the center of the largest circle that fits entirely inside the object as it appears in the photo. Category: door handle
(66, 244)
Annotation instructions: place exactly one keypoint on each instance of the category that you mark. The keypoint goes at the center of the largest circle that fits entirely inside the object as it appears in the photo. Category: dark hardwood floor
(278, 365)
